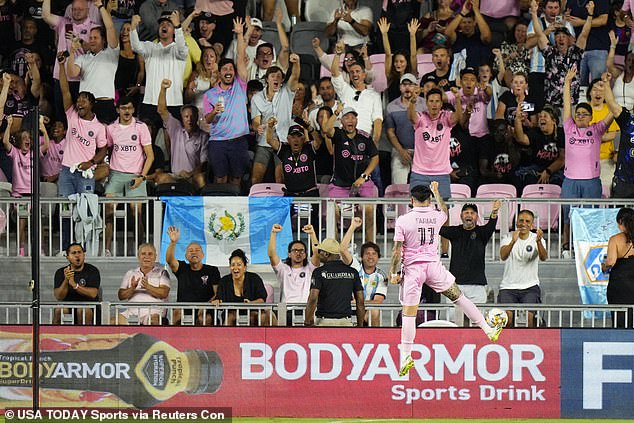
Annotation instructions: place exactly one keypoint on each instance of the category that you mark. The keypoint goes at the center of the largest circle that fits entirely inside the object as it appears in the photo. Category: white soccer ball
(497, 316)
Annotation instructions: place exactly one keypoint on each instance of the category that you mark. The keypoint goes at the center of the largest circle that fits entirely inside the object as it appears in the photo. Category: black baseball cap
(165, 16)
(469, 206)
(468, 70)
(296, 130)
(207, 16)
(562, 29)
(430, 77)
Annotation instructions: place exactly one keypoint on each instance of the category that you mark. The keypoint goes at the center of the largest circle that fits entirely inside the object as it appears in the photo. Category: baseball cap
(408, 77)
(165, 16)
(562, 29)
(296, 130)
(329, 245)
(347, 110)
(468, 70)
(207, 16)
(256, 22)
(470, 206)
(430, 77)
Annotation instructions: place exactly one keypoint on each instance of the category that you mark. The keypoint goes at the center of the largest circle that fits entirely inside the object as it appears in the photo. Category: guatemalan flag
(591, 230)
(223, 224)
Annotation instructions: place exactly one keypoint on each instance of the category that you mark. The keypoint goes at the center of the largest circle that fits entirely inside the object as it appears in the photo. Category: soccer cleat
(408, 363)
(495, 333)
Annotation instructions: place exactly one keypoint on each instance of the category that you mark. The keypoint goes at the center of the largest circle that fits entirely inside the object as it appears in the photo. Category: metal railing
(333, 215)
(282, 314)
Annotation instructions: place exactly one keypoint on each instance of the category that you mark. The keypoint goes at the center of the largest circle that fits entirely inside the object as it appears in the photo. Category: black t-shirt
(468, 249)
(502, 160)
(477, 52)
(598, 38)
(443, 80)
(511, 105)
(337, 283)
(625, 162)
(351, 157)
(88, 277)
(7, 31)
(464, 151)
(17, 57)
(253, 289)
(299, 170)
(196, 286)
(544, 149)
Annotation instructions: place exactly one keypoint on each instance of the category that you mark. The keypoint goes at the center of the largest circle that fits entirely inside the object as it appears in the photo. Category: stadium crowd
(139, 95)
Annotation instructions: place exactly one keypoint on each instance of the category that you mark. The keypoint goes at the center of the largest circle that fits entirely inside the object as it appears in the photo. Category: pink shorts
(367, 190)
(433, 273)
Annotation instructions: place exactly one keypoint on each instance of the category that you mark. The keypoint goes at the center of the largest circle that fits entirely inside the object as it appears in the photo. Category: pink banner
(288, 372)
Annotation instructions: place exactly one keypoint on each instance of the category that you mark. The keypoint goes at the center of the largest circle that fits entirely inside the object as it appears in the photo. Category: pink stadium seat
(425, 65)
(270, 293)
(496, 192)
(458, 191)
(267, 190)
(392, 211)
(546, 215)
(378, 65)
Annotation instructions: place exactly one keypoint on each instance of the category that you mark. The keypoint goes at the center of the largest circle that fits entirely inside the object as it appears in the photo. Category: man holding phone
(79, 25)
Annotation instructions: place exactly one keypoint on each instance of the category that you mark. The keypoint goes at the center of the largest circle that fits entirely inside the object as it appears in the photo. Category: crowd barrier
(285, 314)
(129, 232)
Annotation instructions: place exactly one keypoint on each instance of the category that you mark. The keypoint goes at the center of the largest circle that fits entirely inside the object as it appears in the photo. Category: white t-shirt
(346, 32)
(520, 268)
(97, 72)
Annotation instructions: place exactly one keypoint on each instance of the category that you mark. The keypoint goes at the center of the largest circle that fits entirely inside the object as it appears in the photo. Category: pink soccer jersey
(82, 138)
(127, 146)
(583, 148)
(418, 230)
(431, 144)
(21, 172)
(51, 163)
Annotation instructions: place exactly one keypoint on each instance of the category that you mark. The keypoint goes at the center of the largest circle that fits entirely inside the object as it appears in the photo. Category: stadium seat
(547, 216)
(425, 64)
(303, 34)
(267, 190)
(496, 192)
(458, 191)
(175, 189)
(269, 34)
(5, 188)
(392, 211)
(270, 293)
(320, 10)
(378, 65)
(220, 190)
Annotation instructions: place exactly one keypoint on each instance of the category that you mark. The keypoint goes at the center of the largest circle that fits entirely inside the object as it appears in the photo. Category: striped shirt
(538, 63)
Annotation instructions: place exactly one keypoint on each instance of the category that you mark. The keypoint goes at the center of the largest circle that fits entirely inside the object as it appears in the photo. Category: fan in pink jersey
(131, 158)
(416, 242)
(21, 158)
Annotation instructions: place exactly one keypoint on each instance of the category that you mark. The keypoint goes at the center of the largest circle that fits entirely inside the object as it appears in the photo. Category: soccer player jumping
(416, 239)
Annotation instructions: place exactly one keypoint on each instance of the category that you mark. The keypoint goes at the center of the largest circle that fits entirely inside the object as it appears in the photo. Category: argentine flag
(591, 230)
(223, 224)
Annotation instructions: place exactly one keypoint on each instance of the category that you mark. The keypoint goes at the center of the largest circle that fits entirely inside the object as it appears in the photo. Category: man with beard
(130, 162)
(253, 42)
(79, 281)
(225, 107)
(441, 58)
(97, 69)
(276, 100)
(399, 130)
(197, 282)
(29, 43)
(206, 34)
(163, 60)
(468, 249)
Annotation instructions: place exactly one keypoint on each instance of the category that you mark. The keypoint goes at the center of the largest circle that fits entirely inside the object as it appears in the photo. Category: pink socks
(408, 333)
(471, 311)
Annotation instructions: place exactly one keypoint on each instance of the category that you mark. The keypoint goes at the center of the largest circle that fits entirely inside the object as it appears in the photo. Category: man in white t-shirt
(96, 69)
(352, 24)
(295, 272)
(373, 279)
(520, 251)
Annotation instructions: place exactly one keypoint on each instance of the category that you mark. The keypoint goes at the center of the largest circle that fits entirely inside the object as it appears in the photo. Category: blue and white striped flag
(591, 229)
(222, 224)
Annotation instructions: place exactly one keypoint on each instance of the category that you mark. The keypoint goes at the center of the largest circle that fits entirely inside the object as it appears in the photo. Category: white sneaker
(61, 254)
(566, 254)
(107, 253)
